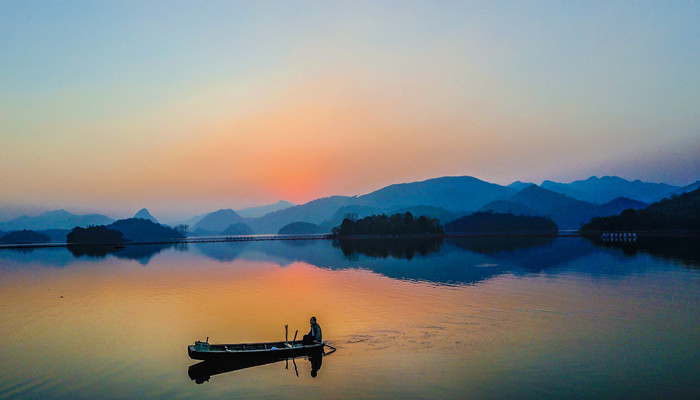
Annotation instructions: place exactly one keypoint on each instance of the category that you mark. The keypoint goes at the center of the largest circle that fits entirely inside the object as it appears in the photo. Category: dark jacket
(315, 332)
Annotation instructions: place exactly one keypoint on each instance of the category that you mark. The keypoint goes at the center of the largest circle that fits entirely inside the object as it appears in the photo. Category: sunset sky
(188, 107)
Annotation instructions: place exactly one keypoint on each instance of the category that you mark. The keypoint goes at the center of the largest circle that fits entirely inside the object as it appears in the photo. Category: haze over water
(475, 318)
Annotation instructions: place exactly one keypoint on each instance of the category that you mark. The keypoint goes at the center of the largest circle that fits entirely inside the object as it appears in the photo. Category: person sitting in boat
(314, 335)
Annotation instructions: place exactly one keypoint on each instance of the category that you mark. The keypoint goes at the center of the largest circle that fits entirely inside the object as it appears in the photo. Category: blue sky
(187, 106)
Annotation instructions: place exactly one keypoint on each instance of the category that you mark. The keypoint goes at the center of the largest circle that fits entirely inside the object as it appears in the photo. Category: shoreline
(262, 238)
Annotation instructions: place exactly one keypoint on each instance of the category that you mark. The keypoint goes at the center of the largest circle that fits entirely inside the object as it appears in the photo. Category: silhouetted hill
(59, 219)
(218, 221)
(144, 214)
(94, 235)
(300, 228)
(679, 213)
(24, 237)
(315, 212)
(256, 212)
(142, 230)
(489, 222)
(454, 193)
(607, 188)
(566, 212)
(617, 206)
(238, 229)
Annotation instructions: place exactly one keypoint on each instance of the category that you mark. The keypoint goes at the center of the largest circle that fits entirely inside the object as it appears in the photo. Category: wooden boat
(252, 351)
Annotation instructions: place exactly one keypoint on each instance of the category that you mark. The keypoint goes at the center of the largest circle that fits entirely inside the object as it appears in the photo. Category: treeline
(490, 222)
(95, 235)
(678, 213)
(397, 224)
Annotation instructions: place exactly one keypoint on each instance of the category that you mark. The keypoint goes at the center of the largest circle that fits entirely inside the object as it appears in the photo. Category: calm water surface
(468, 318)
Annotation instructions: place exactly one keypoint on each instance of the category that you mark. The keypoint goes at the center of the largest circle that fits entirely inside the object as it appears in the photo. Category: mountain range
(446, 198)
(59, 219)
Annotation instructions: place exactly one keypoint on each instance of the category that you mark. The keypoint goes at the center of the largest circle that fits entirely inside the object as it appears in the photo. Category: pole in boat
(295, 335)
(286, 334)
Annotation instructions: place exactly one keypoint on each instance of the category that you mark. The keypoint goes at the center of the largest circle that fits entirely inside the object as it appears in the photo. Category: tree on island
(397, 224)
(182, 229)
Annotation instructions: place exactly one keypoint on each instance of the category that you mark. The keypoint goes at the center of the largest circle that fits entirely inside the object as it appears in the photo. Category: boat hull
(248, 352)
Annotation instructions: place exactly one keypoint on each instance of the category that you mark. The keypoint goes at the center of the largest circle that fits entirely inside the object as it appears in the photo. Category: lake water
(460, 318)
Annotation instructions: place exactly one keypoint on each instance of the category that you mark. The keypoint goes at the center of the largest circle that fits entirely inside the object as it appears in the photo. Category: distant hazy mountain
(618, 205)
(143, 230)
(315, 212)
(565, 211)
(300, 228)
(453, 193)
(686, 189)
(190, 222)
(59, 219)
(24, 237)
(217, 221)
(602, 190)
(144, 214)
(518, 185)
(255, 212)
(439, 213)
(352, 210)
(489, 222)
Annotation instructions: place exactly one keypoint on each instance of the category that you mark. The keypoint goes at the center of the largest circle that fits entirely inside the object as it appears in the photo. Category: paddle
(328, 345)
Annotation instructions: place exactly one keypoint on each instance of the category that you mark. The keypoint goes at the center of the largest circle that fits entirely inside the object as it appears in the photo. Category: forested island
(394, 225)
(94, 235)
(679, 214)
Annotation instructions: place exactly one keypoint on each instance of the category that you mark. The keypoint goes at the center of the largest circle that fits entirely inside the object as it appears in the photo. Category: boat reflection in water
(203, 371)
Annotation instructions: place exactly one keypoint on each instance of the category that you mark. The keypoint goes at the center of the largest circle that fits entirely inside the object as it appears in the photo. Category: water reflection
(139, 252)
(685, 250)
(383, 248)
(203, 371)
(448, 261)
(222, 251)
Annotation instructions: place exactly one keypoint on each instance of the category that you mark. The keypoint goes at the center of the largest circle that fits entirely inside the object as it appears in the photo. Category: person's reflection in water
(316, 362)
